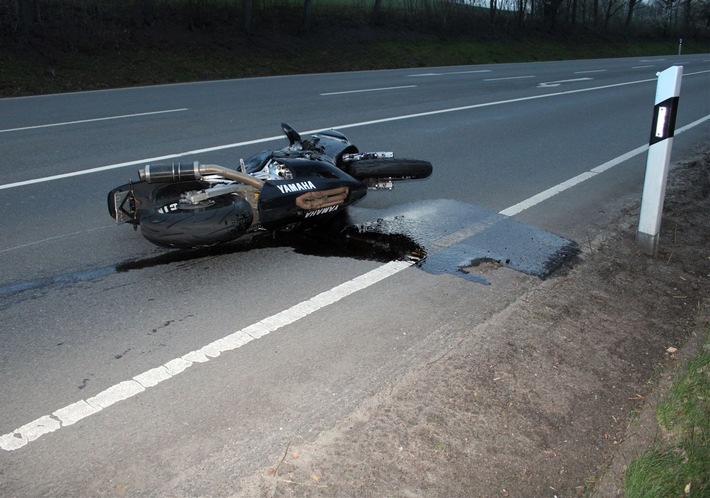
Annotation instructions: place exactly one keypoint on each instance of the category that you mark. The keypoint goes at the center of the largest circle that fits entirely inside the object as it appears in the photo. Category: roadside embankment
(542, 399)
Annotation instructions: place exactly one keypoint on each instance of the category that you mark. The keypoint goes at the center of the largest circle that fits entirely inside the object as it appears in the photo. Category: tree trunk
(142, 12)
(376, 8)
(522, 5)
(630, 12)
(307, 15)
(550, 12)
(248, 11)
(25, 15)
(573, 13)
(688, 16)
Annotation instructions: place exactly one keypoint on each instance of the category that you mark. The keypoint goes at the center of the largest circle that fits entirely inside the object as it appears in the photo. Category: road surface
(126, 367)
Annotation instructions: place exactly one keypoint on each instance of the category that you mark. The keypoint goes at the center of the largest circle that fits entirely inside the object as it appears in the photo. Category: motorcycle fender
(125, 202)
(129, 202)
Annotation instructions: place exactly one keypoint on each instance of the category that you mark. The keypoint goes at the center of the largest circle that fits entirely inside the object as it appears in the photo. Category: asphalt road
(325, 333)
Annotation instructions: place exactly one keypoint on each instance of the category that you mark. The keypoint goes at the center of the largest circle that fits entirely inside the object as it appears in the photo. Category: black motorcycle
(184, 205)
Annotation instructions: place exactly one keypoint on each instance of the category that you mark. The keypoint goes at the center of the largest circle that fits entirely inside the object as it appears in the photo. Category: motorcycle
(184, 205)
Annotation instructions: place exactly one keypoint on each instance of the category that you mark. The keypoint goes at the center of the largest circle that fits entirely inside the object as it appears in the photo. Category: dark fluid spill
(441, 236)
(348, 242)
(64, 279)
(456, 235)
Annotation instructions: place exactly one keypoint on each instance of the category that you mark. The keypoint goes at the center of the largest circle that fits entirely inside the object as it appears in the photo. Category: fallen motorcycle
(183, 205)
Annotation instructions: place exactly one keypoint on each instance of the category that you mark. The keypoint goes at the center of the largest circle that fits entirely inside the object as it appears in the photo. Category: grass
(23, 73)
(678, 464)
(95, 44)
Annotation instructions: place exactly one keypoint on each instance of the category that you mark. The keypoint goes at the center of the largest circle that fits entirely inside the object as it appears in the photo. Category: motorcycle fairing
(334, 144)
(327, 145)
(255, 163)
(317, 188)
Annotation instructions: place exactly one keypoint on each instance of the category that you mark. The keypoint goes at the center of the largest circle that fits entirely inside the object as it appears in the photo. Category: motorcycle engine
(274, 170)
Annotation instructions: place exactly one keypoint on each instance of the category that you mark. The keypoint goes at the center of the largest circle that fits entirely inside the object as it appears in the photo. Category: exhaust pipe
(183, 172)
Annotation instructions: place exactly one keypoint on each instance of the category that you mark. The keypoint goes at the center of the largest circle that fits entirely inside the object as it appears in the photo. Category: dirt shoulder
(546, 398)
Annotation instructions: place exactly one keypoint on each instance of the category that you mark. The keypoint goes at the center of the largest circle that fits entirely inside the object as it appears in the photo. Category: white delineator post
(659, 158)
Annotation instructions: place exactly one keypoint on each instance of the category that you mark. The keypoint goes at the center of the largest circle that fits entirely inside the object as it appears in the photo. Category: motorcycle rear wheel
(390, 167)
(218, 220)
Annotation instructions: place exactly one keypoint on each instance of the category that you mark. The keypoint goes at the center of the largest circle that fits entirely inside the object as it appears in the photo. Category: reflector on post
(659, 156)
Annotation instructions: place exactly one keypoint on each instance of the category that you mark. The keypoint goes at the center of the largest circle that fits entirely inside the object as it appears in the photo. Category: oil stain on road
(456, 235)
(440, 236)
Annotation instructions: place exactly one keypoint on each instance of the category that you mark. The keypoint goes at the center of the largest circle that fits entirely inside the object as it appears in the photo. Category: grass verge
(32, 72)
(678, 464)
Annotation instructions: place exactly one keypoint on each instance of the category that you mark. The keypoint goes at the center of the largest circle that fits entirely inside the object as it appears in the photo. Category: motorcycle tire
(390, 167)
(219, 220)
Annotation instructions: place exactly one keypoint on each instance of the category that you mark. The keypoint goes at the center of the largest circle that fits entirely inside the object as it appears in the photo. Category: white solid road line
(510, 78)
(474, 71)
(81, 121)
(339, 127)
(74, 412)
(566, 185)
(370, 90)
(81, 409)
(549, 84)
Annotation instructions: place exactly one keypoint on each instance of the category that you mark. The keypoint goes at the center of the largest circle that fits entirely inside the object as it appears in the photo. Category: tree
(376, 9)
(307, 15)
(573, 13)
(142, 12)
(550, 11)
(630, 11)
(26, 14)
(668, 8)
(610, 10)
(522, 6)
(248, 11)
(688, 15)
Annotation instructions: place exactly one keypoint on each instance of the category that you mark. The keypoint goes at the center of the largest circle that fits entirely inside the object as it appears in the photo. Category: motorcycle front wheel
(390, 167)
(217, 220)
